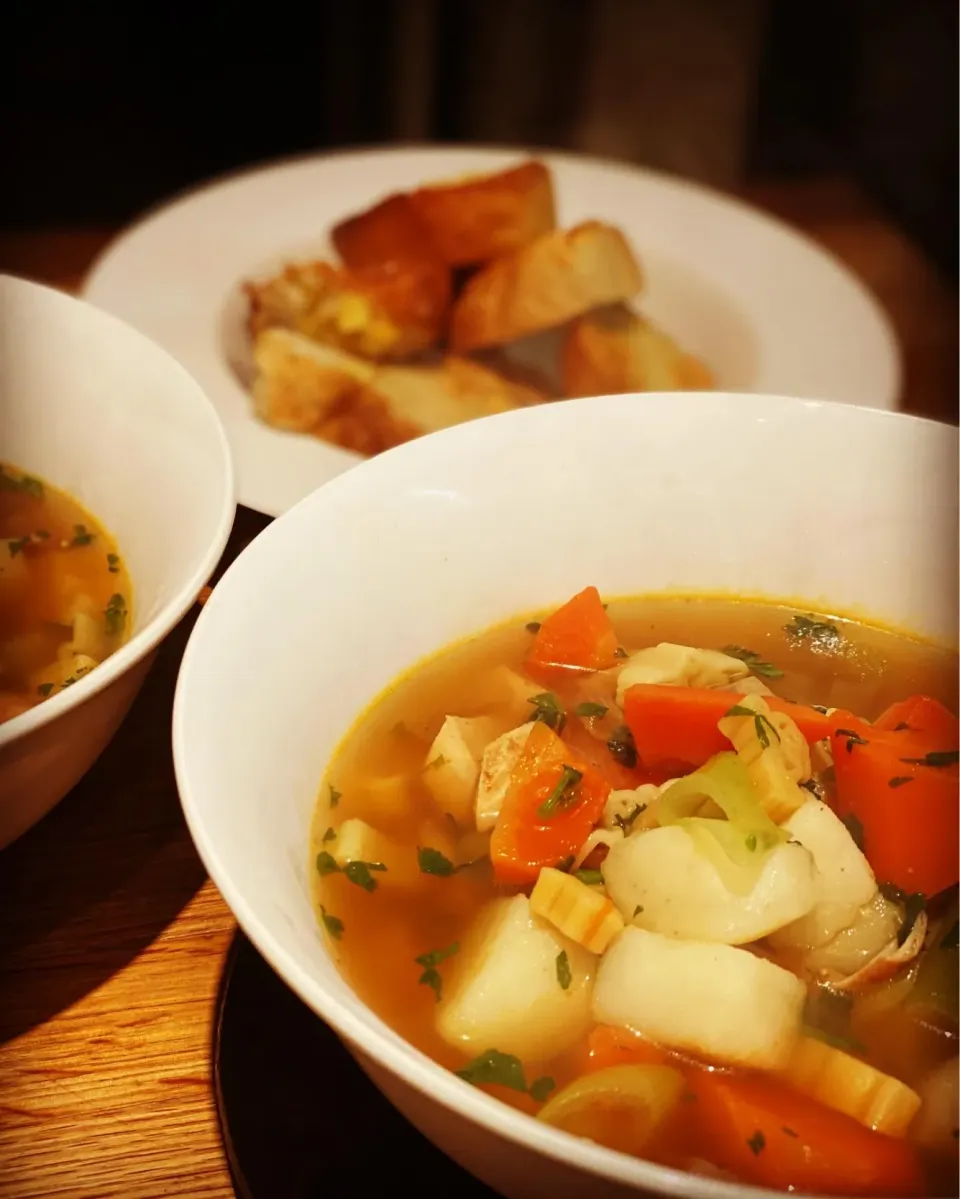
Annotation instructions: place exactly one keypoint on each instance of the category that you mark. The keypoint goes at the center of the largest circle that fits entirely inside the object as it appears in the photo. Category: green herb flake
(761, 723)
(853, 738)
(432, 861)
(326, 864)
(360, 874)
(740, 710)
(855, 828)
(81, 535)
(41, 535)
(751, 659)
(625, 823)
(622, 747)
(334, 795)
(540, 1088)
(564, 793)
(939, 759)
(565, 863)
(436, 763)
(788, 1132)
(637, 910)
(113, 563)
(901, 727)
(330, 835)
(532, 626)
(820, 635)
(430, 961)
(589, 711)
(592, 878)
(44, 689)
(115, 615)
(900, 780)
(333, 924)
(620, 652)
(547, 709)
(25, 483)
(757, 1143)
(495, 1068)
(751, 843)
(564, 975)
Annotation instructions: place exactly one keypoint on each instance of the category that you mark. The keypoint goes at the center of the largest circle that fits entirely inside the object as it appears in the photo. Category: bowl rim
(145, 640)
(361, 1030)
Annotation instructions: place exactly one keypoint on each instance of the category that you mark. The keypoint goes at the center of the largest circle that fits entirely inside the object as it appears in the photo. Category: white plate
(766, 308)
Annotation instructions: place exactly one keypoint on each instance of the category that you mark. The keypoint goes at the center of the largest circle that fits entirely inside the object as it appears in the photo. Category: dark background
(107, 109)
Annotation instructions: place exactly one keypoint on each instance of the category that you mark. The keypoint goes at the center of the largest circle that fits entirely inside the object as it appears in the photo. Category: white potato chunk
(506, 691)
(357, 841)
(496, 766)
(679, 666)
(504, 989)
(723, 1003)
(936, 1122)
(845, 882)
(661, 881)
(751, 685)
(452, 766)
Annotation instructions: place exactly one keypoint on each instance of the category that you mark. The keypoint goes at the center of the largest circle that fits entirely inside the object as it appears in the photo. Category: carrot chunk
(578, 635)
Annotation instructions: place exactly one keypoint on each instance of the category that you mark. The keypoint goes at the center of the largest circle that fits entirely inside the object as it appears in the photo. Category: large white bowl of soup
(592, 771)
(116, 500)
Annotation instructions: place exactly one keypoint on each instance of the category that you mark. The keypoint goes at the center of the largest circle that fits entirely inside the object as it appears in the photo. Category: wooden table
(112, 938)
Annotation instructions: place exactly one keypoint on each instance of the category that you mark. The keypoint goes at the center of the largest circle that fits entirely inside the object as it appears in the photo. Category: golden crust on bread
(480, 217)
(614, 350)
(388, 311)
(390, 231)
(298, 382)
(555, 279)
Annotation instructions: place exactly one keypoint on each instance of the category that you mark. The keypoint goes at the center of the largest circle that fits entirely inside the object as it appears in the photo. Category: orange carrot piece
(771, 1136)
(578, 635)
(527, 835)
(923, 720)
(678, 725)
(909, 812)
(610, 1046)
(593, 750)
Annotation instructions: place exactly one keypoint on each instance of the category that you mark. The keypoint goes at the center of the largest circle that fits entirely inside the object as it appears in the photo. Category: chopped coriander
(359, 873)
(592, 878)
(637, 910)
(788, 1131)
(430, 961)
(115, 615)
(751, 659)
(820, 635)
(18, 544)
(45, 689)
(432, 861)
(41, 535)
(757, 1143)
(900, 780)
(81, 535)
(330, 835)
(334, 795)
(492, 1066)
(326, 864)
(622, 747)
(620, 652)
(540, 1088)
(853, 738)
(563, 794)
(939, 759)
(436, 763)
(589, 710)
(25, 483)
(751, 842)
(565, 863)
(625, 823)
(901, 727)
(564, 976)
(532, 626)
(333, 924)
(547, 709)
(855, 829)
(113, 563)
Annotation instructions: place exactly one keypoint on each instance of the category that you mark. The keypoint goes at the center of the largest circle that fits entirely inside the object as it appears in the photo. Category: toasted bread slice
(480, 217)
(555, 279)
(390, 231)
(403, 402)
(380, 312)
(299, 382)
(613, 350)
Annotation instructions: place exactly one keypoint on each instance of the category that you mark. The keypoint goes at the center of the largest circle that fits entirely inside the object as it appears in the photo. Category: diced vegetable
(600, 837)
(608, 1045)
(873, 926)
(921, 719)
(769, 1135)
(845, 882)
(357, 841)
(496, 766)
(677, 726)
(723, 787)
(848, 1085)
(553, 802)
(774, 759)
(596, 751)
(936, 1124)
(579, 634)
(387, 798)
(506, 691)
(679, 666)
(622, 1107)
(723, 1003)
(502, 987)
(452, 765)
(908, 809)
(667, 881)
(579, 912)
(632, 809)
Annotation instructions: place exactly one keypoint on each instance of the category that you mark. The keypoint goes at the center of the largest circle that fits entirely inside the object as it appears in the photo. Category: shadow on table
(86, 890)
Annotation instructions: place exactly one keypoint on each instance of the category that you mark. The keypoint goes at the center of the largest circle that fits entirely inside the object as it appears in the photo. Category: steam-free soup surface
(597, 941)
(64, 592)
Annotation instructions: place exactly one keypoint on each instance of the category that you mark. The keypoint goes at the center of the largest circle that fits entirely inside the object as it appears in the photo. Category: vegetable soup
(64, 592)
(675, 874)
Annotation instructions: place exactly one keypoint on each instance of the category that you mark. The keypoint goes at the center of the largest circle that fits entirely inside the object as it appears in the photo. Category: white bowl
(848, 509)
(100, 412)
